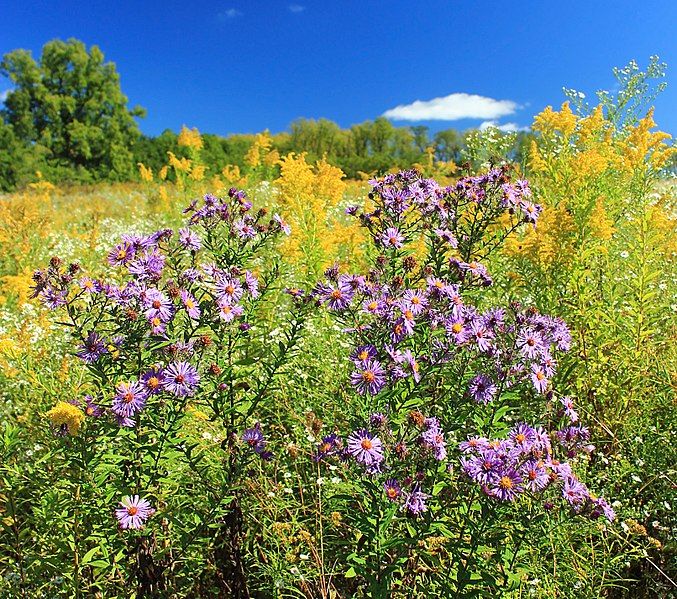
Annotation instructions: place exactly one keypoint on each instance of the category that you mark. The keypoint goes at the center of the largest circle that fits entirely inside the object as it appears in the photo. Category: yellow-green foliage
(311, 198)
(603, 253)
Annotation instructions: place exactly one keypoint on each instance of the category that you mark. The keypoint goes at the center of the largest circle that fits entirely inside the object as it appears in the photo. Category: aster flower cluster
(402, 332)
(525, 463)
(416, 327)
(167, 326)
(400, 457)
(403, 199)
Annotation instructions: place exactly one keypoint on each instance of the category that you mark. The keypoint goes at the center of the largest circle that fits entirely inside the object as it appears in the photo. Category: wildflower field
(269, 380)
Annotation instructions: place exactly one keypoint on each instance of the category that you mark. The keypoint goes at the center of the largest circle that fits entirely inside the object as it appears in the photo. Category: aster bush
(460, 439)
(173, 335)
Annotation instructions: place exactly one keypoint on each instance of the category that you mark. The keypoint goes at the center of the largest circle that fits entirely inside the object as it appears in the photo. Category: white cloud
(453, 108)
(3, 95)
(296, 8)
(230, 13)
(505, 127)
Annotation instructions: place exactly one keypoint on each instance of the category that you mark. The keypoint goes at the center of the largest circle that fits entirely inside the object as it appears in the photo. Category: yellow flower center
(368, 376)
(366, 444)
(506, 482)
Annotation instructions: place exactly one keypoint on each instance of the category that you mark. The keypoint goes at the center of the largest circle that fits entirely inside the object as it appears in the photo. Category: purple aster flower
(254, 438)
(121, 254)
(438, 288)
(147, 266)
(530, 344)
(363, 353)
(574, 491)
(407, 321)
(494, 319)
(538, 378)
(157, 327)
(92, 348)
(228, 312)
(251, 284)
(228, 289)
(330, 445)
(482, 389)
(458, 331)
(244, 230)
(53, 298)
(480, 335)
(474, 444)
(483, 467)
(506, 485)
(559, 470)
(181, 379)
(574, 437)
(335, 298)
(535, 475)
(415, 502)
(368, 378)
(377, 420)
(366, 448)
(602, 507)
(433, 439)
(190, 275)
(129, 399)
(157, 305)
(391, 238)
(531, 211)
(89, 285)
(409, 360)
(447, 236)
(190, 304)
(569, 409)
(523, 437)
(124, 421)
(134, 512)
(189, 239)
(92, 409)
(374, 306)
(153, 380)
(414, 300)
(392, 489)
(284, 226)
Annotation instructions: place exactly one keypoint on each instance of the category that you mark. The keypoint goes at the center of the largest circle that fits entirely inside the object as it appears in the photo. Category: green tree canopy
(70, 103)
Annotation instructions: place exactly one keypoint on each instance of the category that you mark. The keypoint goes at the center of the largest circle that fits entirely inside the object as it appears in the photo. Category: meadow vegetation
(260, 377)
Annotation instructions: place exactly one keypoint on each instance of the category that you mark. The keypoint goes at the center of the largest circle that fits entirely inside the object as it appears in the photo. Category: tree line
(67, 118)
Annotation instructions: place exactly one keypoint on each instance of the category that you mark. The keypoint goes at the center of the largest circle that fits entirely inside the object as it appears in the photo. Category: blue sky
(247, 65)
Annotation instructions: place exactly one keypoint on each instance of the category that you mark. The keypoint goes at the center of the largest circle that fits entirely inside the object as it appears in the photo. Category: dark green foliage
(68, 108)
